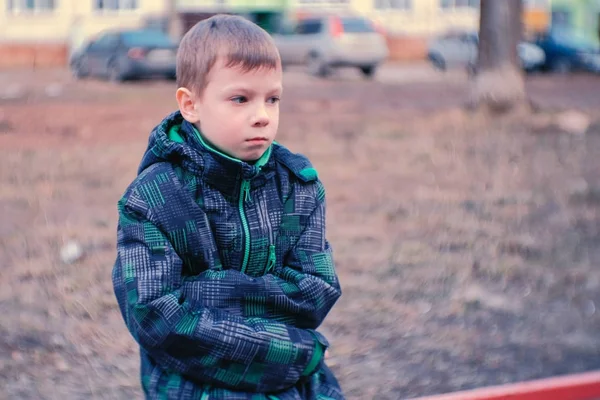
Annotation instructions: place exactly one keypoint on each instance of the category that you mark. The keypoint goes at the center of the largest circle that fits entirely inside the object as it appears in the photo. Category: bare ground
(468, 249)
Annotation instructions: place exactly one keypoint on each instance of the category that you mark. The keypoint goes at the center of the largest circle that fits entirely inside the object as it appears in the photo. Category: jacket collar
(222, 171)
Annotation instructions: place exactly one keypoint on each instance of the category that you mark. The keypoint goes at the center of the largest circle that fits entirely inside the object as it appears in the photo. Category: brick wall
(407, 48)
(19, 55)
(402, 48)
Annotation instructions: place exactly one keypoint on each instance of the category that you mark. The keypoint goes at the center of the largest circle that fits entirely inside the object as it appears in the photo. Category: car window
(357, 25)
(146, 38)
(97, 43)
(309, 26)
(112, 41)
(453, 36)
(106, 41)
(285, 29)
(470, 38)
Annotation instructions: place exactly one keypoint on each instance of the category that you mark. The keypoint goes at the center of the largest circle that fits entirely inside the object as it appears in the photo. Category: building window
(405, 5)
(545, 4)
(324, 2)
(115, 5)
(450, 5)
(30, 6)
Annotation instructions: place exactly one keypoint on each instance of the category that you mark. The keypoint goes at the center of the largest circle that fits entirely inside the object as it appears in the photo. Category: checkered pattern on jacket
(206, 329)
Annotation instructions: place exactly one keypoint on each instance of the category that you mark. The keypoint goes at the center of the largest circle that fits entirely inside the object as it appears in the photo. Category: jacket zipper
(205, 389)
(245, 196)
(271, 260)
(244, 193)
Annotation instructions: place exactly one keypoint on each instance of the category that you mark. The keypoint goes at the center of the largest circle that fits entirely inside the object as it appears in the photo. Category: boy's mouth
(257, 140)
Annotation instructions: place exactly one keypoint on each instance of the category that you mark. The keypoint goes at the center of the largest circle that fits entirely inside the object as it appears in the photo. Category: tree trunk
(499, 84)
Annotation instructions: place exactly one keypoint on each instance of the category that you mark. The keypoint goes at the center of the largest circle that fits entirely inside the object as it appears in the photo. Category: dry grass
(467, 249)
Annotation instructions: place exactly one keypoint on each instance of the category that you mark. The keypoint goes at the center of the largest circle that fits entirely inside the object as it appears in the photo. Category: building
(42, 32)
(581, 16)
(428, 17)
(423, 17)
(45, 32)
(265, 13)
(409, 24)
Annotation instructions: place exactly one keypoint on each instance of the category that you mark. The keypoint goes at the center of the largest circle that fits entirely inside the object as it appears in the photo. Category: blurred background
(463, 199)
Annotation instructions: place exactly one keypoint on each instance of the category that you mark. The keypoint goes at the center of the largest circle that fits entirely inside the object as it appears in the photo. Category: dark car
(126, 54)
(568, 51)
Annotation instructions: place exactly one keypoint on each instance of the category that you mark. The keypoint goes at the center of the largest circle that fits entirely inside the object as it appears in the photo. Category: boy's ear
(187, 105)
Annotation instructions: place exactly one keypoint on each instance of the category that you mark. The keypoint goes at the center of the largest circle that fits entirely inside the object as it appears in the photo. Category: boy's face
(238, 111)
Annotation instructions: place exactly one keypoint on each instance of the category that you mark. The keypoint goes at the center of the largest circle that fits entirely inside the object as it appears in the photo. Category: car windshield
(146, 38)
(461, 36)
(357, 25)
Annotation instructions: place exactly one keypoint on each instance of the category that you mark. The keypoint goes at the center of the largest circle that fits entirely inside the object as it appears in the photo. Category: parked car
(126, 54)
(531, 55)
(323, 42)
(452, 50)
(461, 49)
(568, 51)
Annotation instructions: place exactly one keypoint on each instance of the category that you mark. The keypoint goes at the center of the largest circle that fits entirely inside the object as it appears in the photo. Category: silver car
(324, 42)
(460, 49)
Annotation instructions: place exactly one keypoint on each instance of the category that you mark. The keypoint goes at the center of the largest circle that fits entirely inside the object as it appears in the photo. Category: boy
(223, 271)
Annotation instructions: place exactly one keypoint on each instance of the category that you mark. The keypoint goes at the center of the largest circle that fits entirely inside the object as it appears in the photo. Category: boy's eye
(239, 99)
(273, 100)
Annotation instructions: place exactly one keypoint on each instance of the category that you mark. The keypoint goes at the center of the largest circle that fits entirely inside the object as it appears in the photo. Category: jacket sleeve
(301, 292)
(190, 334)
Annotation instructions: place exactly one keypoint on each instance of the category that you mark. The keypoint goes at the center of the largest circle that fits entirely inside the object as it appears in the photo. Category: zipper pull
(246, 191)
(272, 259)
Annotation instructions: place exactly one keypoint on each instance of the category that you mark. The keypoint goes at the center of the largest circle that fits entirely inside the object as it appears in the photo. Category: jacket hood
(178, 142)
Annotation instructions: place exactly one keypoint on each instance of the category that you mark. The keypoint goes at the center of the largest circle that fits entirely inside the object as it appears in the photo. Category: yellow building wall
(424, 19)
(71, 17)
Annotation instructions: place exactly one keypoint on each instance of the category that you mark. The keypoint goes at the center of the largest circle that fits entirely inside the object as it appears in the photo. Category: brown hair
(239, 41)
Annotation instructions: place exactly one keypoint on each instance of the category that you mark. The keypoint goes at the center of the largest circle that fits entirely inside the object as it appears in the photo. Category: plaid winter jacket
(223, 272)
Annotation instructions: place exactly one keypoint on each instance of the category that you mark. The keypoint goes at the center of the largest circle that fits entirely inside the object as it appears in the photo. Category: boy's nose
(261, 118)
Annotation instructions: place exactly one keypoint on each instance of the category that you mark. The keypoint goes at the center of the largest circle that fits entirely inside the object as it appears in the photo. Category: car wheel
(471, 70)
(562, 66)
(437, 61)
(114, 73)
(316, 65)
(79, 69)
(368, 71)
(531, 70)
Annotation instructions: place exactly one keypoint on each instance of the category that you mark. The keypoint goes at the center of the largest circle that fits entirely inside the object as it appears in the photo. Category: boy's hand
(326, 354)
